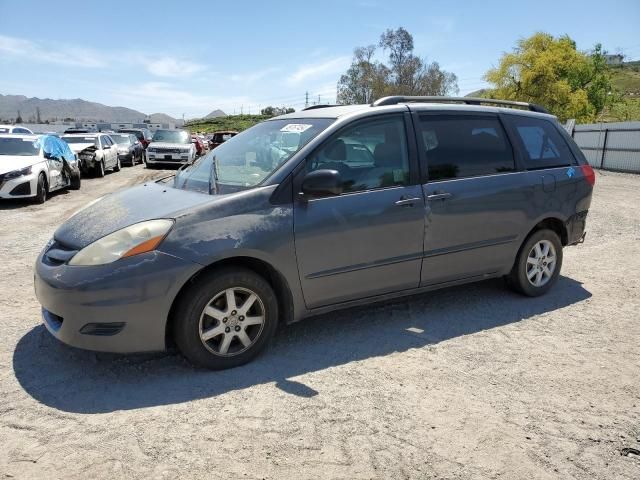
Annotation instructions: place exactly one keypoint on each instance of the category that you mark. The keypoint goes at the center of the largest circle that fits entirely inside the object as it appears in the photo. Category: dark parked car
(316, 211)
(80, 130)
(130, 149)
(142, 134)
(198, 144)
(218, 138)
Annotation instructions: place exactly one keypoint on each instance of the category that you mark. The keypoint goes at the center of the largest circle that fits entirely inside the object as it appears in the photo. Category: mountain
(477, 93)
(164, 118)
(216, 113)
(76, 108)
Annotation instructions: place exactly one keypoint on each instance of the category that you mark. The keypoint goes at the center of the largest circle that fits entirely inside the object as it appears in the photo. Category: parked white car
(97, 152)
(14, 129)
(32, 166)
(170, 147)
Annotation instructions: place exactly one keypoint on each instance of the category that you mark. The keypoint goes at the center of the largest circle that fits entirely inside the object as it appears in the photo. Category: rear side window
(542, 144)
(464, 146)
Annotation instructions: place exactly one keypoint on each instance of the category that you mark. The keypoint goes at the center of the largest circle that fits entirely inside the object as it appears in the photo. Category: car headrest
(337, 150)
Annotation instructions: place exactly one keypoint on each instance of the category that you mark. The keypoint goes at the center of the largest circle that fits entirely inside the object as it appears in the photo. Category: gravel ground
(468, 382)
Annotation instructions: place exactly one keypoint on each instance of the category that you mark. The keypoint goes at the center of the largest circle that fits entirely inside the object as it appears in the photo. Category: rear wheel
(42, 189)
(225, 319)
(538, 264)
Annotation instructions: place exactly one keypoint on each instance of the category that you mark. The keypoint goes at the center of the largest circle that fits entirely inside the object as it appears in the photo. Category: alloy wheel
(232, 321)
(541, 263)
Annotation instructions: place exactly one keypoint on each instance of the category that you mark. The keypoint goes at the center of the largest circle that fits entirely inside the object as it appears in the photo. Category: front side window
(369, 155)
(248, 158)
(464, 146)
(543, 145)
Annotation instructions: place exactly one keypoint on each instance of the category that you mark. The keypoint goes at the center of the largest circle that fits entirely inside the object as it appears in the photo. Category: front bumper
(161, 157)
(121, 307)
(25, 186)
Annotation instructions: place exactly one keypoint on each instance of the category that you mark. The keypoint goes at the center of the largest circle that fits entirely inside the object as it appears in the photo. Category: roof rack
(466, 100)
(313, 107)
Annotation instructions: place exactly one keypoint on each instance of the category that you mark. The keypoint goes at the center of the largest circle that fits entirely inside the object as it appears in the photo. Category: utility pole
(306, 99)
(318, 99)
(241, 109)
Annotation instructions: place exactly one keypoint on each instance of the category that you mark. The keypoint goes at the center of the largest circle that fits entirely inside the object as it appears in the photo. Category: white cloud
(252, 77)
(70, 55)
(165, 97)
(171, 67)
(60, 54)
(319, 70)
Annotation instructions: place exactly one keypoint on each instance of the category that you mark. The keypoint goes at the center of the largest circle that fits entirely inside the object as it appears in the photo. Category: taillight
(589, 174)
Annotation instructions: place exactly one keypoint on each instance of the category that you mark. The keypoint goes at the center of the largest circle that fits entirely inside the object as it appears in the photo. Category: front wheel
(98, 168)
(225, 319)
(42, 189)
(538, 264)
(116, 167)
(75, 181)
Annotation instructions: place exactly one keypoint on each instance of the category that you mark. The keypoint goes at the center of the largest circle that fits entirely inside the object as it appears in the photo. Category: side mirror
(321, 183)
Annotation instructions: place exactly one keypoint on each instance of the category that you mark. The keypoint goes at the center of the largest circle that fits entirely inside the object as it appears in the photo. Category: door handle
(439, 196)
(408, 201)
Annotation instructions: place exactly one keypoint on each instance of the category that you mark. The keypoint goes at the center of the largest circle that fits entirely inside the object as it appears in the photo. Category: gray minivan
(315, 211)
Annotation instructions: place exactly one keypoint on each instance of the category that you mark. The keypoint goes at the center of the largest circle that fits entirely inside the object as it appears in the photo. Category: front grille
(167, 150)
(58, 253)
(54, 321)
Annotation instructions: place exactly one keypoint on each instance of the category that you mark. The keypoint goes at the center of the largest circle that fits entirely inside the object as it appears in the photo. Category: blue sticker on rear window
(571, 172)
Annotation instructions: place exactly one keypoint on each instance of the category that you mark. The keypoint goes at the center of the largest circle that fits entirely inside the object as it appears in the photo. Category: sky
(189, 58)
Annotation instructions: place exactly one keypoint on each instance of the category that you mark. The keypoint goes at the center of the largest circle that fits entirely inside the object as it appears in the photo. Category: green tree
(404, 74)
(275, 111)
(551, 72)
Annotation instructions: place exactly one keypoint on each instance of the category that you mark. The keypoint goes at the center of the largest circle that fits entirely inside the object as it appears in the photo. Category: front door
(369, 239)
(475, 197)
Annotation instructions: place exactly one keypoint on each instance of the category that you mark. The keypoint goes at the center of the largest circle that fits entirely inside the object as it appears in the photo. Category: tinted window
(368, 155)
(542, 144)
(464, 146)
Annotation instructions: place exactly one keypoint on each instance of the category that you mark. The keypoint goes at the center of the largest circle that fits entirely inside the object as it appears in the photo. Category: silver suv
(316, 211)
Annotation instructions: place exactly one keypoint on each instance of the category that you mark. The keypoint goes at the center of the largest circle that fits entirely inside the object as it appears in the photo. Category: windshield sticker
(296, 127)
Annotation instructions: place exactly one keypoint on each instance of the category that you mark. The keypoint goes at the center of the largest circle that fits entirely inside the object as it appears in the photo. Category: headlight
(151, 150)
(132, 240)
(17, 173)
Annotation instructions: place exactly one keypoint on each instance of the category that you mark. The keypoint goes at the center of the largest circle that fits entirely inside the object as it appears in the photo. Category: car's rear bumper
(576, 228)
(120, 307)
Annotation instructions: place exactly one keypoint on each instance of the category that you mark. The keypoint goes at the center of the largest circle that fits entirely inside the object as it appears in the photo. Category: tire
(117, 166)
(42, 189)
(98, 169)
(534, 271)
(244, 338)
(75, 180)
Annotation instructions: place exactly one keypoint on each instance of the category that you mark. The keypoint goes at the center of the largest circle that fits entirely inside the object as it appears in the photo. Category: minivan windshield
(172, 136)
(251, 156)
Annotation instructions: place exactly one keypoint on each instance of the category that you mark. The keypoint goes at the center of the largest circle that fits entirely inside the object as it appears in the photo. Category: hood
(9, 163)
(126, 207)
(168, 145)
(78, 147)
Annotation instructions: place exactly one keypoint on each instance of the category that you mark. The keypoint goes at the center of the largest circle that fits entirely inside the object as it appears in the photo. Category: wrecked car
(97, 152)
(32, 166)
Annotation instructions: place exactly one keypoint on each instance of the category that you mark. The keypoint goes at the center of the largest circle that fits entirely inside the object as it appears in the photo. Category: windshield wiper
(213, 177)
